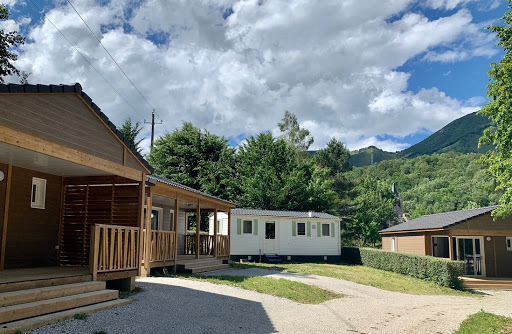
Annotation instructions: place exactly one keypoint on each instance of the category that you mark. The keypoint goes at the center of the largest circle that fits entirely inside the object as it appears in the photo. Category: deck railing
(222, 245)
(114, 248)
(206, 246)
(162, 246)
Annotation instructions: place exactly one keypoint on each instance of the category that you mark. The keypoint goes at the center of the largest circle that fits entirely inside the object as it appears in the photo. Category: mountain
(459, 136)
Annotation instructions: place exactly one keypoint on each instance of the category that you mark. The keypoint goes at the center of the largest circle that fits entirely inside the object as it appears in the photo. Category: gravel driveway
(173, 305)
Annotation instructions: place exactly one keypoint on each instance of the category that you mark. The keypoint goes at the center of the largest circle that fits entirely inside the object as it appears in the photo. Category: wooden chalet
(73, 198)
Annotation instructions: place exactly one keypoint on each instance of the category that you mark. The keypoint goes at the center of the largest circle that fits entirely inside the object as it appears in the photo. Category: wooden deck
(488, 283)
(32, 274)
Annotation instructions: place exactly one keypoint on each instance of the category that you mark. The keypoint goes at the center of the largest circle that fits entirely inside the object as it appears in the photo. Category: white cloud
(446, 4)
(333, 64)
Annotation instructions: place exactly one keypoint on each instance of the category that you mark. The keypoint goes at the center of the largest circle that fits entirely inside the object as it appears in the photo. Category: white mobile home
(294, 236)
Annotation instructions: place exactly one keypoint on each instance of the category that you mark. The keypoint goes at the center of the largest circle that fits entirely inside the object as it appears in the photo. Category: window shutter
(309, 229)
(318, 229)
(294, 228)
(238, 226)
(333, 232)
(255, 227)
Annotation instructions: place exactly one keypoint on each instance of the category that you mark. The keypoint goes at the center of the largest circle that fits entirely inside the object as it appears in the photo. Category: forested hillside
(459, 136)
(434, 183)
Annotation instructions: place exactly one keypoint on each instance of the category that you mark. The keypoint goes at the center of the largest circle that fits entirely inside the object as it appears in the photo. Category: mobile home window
(326, 230)
(38, 195)
(509, 243)
(393, 244)
(301, 228)
(247, 227)
(219, 226)
(171, 223)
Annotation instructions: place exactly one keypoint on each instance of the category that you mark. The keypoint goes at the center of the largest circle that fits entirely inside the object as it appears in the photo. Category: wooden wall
(503, 257)
(3, 188)
(64, 119)
(386, 243)
(413, 243)
(483, 225)
(32, 234)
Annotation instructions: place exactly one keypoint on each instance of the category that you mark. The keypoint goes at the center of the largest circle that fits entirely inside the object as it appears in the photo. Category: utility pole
(153, 127)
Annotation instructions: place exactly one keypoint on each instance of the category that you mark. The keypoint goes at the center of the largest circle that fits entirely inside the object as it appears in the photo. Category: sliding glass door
(469, 250)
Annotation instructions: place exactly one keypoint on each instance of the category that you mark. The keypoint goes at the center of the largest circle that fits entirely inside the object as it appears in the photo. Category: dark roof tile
(439, 220)
(287, 214)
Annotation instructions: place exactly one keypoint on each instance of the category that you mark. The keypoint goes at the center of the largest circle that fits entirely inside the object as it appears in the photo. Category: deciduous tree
(8, 40)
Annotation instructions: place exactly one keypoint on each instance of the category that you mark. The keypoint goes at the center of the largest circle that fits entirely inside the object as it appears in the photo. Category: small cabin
(292, 235)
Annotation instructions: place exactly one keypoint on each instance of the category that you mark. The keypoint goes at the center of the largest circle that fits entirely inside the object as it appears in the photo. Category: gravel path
(173, 305)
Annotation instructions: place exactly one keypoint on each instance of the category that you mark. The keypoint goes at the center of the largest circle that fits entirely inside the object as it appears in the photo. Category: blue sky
(368, 73)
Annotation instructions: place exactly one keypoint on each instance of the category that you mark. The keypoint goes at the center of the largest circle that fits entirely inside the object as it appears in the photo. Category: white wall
(223, 218)
(286, 243)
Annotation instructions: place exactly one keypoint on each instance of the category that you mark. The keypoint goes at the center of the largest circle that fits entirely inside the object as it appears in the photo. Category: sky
(367, 72)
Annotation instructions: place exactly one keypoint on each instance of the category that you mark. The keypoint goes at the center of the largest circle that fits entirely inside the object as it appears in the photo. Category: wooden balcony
(162, 248)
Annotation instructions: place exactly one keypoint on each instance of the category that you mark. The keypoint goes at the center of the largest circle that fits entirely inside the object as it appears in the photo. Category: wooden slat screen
(87, 205)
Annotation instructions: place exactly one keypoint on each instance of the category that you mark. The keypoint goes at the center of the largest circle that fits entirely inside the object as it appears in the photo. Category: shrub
(438, 270)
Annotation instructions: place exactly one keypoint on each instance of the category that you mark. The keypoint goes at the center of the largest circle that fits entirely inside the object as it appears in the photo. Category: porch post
(6, 216)
(215, 244)
(450, 246)
(142, 196)
(176, 214)
(198, 227)
(149, 207)
(229, 233)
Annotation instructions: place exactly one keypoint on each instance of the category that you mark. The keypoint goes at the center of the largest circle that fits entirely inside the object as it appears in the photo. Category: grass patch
(126, 294)
(81, 316)
(299, 292)
(485, 323)
(381, 279)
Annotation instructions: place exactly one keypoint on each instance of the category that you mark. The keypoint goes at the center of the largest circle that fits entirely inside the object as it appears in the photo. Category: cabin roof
(439, 220)
(181, 186)
(74, 88)
(288, 214)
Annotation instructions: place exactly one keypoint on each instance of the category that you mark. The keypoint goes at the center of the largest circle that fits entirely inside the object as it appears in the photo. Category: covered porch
(172, 233)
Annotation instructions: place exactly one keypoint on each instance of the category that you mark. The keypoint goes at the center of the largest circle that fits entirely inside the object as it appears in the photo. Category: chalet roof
(181, 186)
(439, 220)
(287, 214)
(74, 88)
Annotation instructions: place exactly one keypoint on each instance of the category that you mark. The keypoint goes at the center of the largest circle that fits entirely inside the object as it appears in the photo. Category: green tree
(499, 111)
(297, 136)
(8, 40)
(131, 131)
(195, 158)
(272, 176)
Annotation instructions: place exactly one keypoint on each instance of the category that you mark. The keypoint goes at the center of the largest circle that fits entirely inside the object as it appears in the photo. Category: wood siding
(428, 240)
(3, 188)
(85, 206)
(483, 225)
(63, 119)
(411, 243)
(503, 258)
(32, 234)
(386, 243)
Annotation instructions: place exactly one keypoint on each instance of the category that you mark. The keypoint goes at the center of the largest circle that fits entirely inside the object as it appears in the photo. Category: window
(509, 243)
(156, 218)
(247, 227)
(393, 244)
(171, 223)
(441, 247)
(38, 195)
(219, 226)
(326, 230)
(301, 228)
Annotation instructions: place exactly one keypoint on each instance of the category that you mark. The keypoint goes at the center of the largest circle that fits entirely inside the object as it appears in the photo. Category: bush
(441, 271)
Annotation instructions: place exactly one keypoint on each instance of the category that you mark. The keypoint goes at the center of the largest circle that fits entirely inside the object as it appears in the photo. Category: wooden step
(33, 295)
(208, 268)
(33, 309)
(41, 283)
(48, 319)
(202, 264)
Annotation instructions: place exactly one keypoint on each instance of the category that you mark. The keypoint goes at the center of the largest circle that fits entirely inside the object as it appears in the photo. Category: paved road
(173, 305)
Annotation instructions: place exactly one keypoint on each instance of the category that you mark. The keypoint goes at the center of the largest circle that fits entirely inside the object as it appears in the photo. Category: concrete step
(41, 283)
(37, 308)
(208, 268)
(48, 319)
(33, 295)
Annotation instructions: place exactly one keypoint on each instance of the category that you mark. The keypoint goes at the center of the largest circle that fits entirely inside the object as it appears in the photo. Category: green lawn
(381, 279)
(486, 323)
(299, 292)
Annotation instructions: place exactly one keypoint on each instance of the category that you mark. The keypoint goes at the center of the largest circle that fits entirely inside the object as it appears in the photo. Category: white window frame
(219, 226)
(329, 229)
(252, 226)
(508, 241)
(38, 193)
(171, 218)
(392, 240)
(160, 216)
(305, 229)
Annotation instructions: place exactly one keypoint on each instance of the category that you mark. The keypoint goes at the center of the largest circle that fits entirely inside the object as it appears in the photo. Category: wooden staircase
(487, 283)
(30, 304)
(200, 265)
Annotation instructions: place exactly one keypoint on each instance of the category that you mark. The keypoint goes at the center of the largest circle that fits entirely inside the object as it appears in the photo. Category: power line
(119, 66)
(74, 47)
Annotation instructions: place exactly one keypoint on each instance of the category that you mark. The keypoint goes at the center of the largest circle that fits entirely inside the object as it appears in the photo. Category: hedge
(438, 270)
